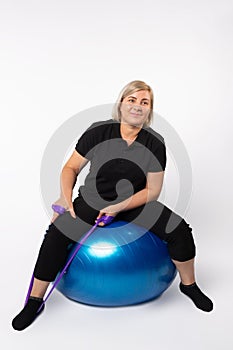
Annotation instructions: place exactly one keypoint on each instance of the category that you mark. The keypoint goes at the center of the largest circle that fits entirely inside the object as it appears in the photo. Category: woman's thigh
(154, 216)
(75, 228)
(167, 225)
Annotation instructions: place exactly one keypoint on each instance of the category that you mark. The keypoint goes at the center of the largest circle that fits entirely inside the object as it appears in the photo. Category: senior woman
(127, 163)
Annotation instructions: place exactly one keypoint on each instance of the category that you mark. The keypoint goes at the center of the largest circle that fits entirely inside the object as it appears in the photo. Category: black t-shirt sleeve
(158, 157)
(87, 142)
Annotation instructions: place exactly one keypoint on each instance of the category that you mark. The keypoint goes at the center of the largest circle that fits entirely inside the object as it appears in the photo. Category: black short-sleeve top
(118, 170)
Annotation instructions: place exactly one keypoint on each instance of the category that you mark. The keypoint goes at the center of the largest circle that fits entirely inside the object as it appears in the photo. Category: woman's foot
(28, 314)
(197, 296)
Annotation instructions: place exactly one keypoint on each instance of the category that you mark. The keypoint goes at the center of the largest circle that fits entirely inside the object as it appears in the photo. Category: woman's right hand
(69, 207)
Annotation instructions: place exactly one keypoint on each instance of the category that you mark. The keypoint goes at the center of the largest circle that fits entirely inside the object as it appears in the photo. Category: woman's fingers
(98, 217)
(102, 214)
(72, 212)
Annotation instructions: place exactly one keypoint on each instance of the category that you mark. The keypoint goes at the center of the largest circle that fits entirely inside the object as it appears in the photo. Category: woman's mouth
(135, 114)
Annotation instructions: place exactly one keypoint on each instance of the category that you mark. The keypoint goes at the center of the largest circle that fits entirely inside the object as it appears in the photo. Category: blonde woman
(123, 147)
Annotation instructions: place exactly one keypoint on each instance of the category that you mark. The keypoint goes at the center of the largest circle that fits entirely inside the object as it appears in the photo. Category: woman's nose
(137, 107)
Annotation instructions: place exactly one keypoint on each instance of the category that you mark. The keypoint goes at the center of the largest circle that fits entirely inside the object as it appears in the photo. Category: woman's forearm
(138, 199)
(67, 182)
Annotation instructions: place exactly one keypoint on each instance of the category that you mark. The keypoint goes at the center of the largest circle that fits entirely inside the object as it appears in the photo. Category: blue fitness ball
(119, 264)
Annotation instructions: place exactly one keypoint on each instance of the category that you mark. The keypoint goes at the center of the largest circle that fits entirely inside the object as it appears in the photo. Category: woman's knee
(55, 236)
(181, 244)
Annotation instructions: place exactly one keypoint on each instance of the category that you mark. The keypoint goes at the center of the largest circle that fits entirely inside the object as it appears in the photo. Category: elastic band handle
(58, 209)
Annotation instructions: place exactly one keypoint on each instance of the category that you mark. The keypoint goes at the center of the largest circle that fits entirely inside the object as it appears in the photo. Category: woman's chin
(133, 122)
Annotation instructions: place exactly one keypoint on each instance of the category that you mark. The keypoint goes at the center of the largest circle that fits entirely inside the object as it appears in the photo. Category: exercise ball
(119, 264)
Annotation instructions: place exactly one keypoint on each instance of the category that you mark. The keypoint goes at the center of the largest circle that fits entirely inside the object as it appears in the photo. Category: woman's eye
(144, 102)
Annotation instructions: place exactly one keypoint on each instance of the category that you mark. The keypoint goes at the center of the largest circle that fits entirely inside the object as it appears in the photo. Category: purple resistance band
(58, 209)
(106, 219)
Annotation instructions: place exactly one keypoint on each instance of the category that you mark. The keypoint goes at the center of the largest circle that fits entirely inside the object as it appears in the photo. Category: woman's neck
(129, 132)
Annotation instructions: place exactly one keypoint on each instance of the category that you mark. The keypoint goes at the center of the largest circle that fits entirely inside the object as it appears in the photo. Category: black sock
(198, 297)
(28, 314)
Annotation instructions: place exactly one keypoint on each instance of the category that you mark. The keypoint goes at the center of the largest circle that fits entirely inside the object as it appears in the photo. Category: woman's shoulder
(101, 125)
(154, 135)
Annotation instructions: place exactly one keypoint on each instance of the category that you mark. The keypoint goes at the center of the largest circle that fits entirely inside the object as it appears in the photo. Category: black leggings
(153, 216)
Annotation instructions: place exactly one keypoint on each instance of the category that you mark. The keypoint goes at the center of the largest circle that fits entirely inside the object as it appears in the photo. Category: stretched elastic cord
(106, 220)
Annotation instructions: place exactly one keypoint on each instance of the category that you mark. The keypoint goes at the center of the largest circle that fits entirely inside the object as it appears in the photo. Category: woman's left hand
(111, 210)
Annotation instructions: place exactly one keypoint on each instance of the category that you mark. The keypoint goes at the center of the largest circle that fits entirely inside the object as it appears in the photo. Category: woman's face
(135, 108)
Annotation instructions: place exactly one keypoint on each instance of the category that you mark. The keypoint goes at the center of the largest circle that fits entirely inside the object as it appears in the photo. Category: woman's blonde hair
(130, 88)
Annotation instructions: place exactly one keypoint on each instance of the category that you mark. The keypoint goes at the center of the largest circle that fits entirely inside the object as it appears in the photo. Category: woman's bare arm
(68, 179)
(150, 193)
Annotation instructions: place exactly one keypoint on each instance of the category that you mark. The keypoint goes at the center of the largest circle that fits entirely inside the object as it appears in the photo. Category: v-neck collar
(117, 134)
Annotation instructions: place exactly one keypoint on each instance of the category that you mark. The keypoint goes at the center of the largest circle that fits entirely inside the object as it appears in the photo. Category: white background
(60, 57)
